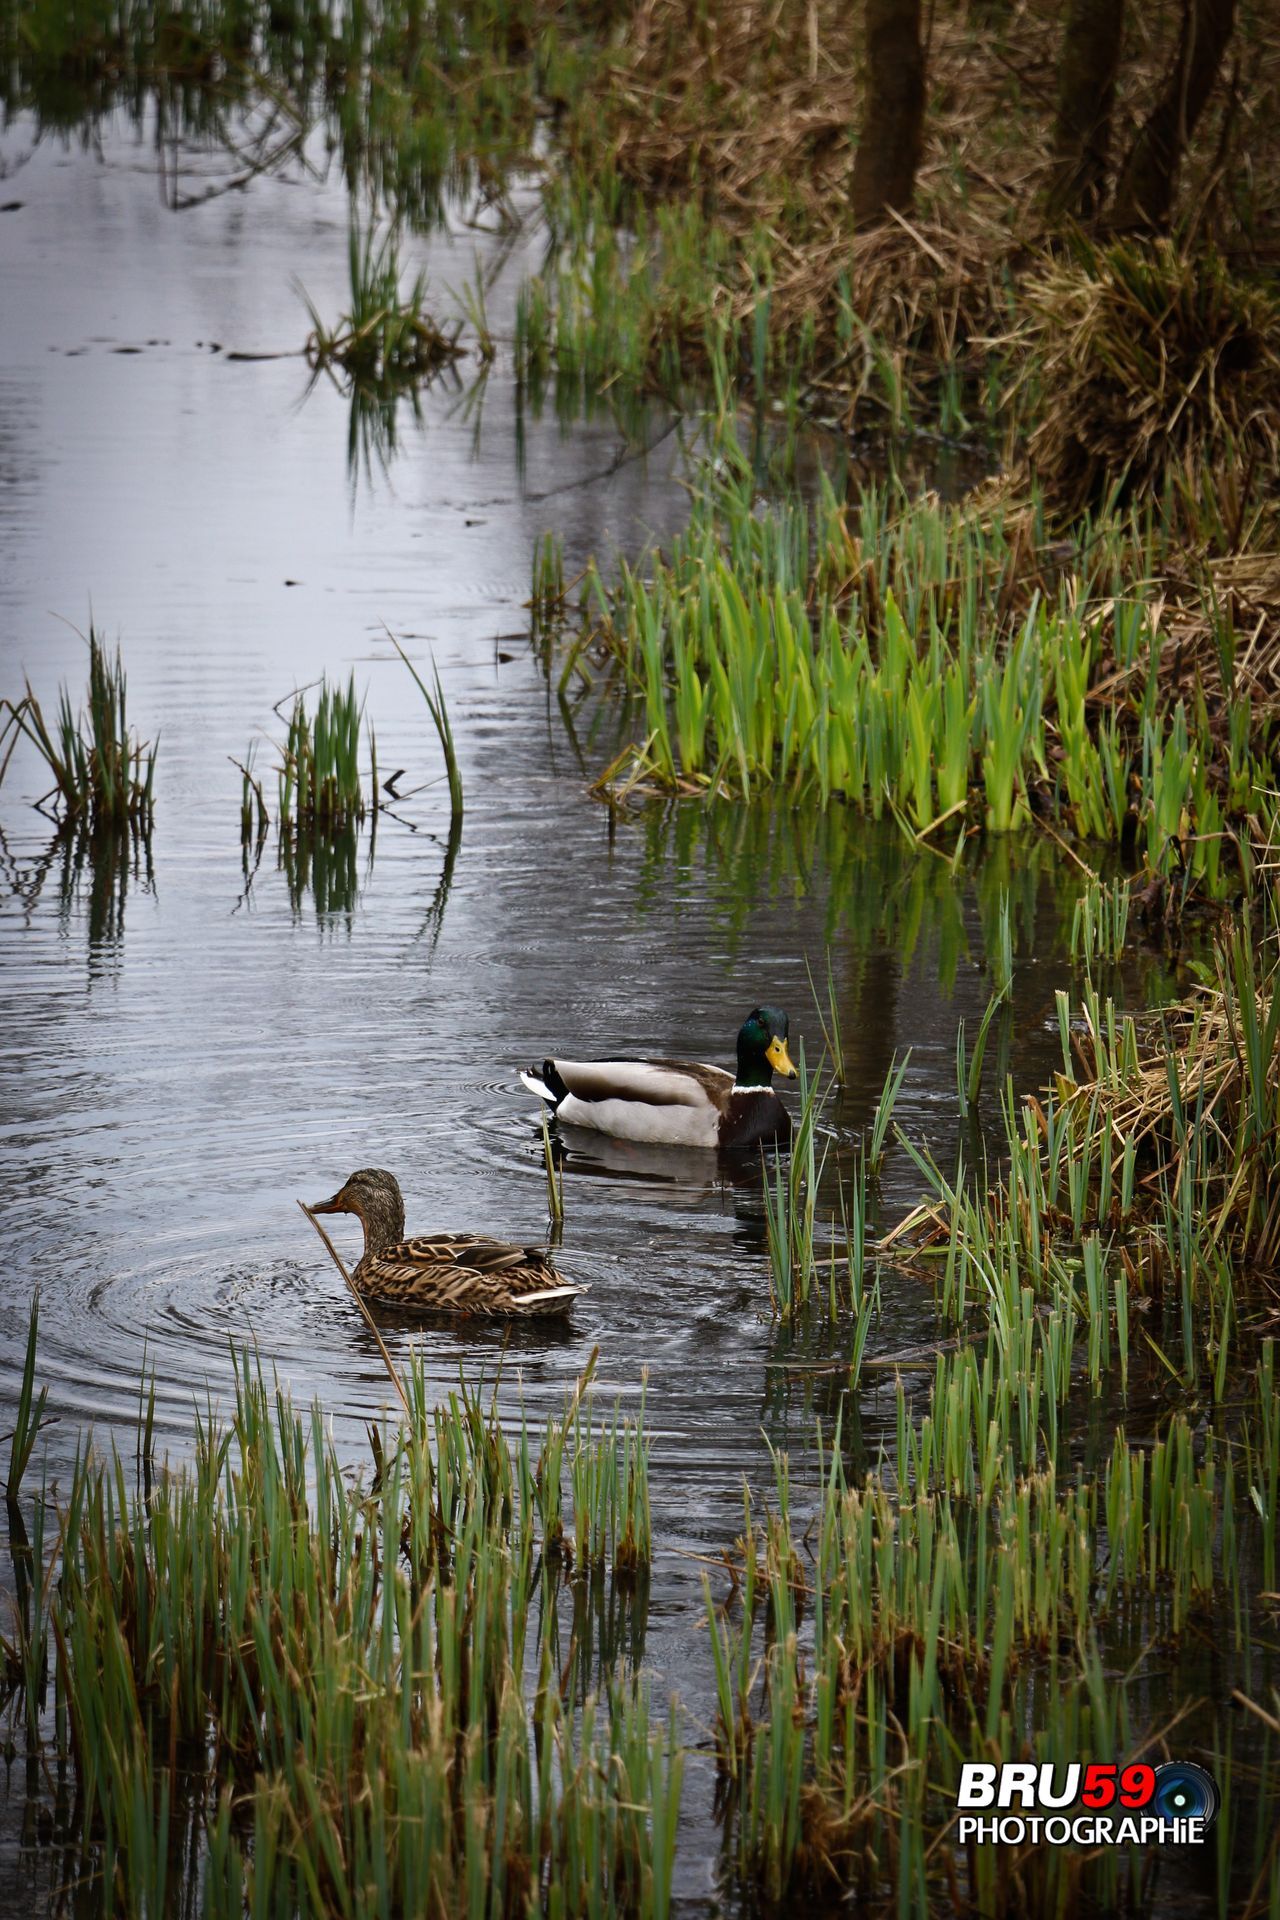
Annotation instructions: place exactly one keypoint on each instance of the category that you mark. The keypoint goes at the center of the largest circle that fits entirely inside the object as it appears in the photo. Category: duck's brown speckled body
(446, 1272)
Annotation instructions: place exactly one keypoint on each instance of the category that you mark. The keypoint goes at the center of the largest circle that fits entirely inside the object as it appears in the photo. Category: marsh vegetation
(1028, 719)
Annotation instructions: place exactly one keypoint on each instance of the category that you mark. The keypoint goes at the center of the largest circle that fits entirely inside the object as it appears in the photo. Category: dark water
(185, 1051)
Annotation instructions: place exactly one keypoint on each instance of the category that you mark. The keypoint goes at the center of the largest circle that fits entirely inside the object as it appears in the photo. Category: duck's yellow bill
(778, 1057)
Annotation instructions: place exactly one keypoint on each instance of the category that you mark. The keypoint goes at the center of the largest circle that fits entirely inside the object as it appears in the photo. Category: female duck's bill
(678, 1102)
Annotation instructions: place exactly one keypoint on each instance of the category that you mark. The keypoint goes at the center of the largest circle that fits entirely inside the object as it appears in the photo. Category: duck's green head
(762, 1047)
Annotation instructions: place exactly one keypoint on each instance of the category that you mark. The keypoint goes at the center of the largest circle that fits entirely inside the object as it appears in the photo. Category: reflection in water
(433, 920)
(806, 1399)
(696, 1173)
(326, 868)
(876, 889)
(373, 429)
(642, 927)
(608, 1627)
(384, 415)
(323, 862)
(249, 80)
(321, 865)
(380, 411)
(93, 870)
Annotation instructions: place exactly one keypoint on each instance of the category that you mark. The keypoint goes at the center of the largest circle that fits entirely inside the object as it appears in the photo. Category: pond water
(191, 1041)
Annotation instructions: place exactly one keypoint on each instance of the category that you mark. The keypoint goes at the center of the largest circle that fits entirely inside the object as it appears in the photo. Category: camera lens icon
(1184, 1791)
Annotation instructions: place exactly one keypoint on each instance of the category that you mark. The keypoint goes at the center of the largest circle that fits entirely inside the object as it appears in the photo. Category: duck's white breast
(669, 1125)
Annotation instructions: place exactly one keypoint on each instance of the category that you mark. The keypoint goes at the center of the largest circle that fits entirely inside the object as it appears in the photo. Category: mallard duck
(677, 1102)
(448, 1272)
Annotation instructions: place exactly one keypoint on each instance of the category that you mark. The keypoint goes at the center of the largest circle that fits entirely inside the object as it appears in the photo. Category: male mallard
(677, 1102)
(449, 1272)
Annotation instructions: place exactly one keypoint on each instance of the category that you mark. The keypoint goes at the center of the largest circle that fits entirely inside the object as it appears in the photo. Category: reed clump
(957, 1603)
(609, 1473)
(103, 774)
(1147, 362)
(1138, 1203)
(951, 667)
(388, 338)
(961, 1597)
(1196, 1090)
(319, 783)
(1100, 921)
(702, 207)
(963, 1594)
(344, 1686)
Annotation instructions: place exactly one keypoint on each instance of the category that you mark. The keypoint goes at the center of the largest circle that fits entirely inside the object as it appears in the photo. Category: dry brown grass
(1145, 361)
(750, 107)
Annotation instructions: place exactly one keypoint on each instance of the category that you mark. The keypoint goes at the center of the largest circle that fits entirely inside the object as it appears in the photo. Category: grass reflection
(92, 872)
(322, 865)
(417, 106)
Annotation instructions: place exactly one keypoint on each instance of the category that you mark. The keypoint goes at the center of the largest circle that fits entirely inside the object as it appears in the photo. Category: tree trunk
(1087, 70)
(884, 169)
(1144, 197)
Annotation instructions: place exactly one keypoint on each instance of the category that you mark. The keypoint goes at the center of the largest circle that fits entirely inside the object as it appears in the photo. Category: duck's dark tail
(545, 1081)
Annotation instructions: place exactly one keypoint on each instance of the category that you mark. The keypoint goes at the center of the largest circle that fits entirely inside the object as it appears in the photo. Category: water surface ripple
(185, 1051)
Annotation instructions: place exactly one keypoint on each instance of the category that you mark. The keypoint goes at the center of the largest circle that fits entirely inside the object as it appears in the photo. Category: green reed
(791, 1204)
(924, 661)
(828, 1012)
(473, 301)
(439, 711)
(609, 1476)
(319, 782)
(969, 1066)
(254, 817)
(387, 338)
(547, 603)
(954, 1595)
(1100, 921)
(30, 1412)
(103, 774)
(362, 1658)
(882, 1119)
(555, 1177)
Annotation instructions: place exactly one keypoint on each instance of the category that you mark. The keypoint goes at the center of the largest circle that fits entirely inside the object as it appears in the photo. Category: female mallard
(449, 1272)
(676, 1102)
